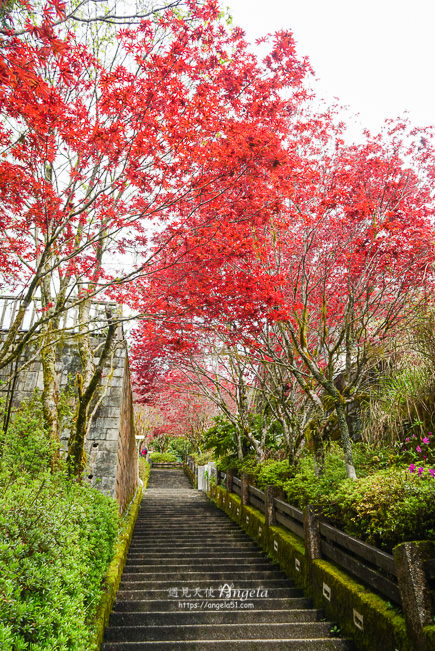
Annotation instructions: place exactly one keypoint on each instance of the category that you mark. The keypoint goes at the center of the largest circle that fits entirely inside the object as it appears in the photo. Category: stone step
(166, 531)
(204, 576)
(195, 581)
(158, 605)
(208, 530)
(149, 545)
(167, 557)
(212, 616)
(245, 631)
(167, 541)
(318, 644)
(192, 552)
(252, 565)
(131, 594)
(133, 583)
(201, 519)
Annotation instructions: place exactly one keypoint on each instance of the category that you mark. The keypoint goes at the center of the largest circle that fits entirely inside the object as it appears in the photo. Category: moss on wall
(371, 622)
(190, 476)
(289, 551)
(114, 573)
(254, 523)
(351, 604)
(144, 471)
(429, 634)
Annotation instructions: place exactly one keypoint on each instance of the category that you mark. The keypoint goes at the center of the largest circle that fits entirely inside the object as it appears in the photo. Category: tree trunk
(239, 445)
(345, 440)
(319, 453)
(50, 390)
(87, 392)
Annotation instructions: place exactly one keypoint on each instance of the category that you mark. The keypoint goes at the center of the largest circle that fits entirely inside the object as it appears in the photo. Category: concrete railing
(204, 474)
(69, 318)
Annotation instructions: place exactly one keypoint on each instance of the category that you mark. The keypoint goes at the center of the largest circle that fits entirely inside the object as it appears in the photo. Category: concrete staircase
(194, 581)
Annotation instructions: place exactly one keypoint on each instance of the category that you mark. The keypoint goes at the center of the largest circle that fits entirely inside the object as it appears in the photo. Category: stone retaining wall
(111, 446)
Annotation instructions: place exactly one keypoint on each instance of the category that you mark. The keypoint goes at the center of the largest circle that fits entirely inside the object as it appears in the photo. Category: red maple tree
(329, 279)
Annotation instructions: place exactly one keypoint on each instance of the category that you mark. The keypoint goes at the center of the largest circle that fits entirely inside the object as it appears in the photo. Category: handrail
(377, 570)
(369, 564)
(373, 555)
(256, 498)
(290, 510)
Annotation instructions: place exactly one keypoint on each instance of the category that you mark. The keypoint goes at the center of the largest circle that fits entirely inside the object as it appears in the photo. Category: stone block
(269, 505)
(410, 558)
(113, 412)
(105, 422)
(312, 535)
(244, 489)
(108, 446)
(111, 434)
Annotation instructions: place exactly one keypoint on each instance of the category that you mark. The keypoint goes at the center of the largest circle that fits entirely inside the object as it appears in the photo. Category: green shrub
(387, 508)
(384, 508)
(26, 447)
(179, 446)
(221, 438)
(275, 473)
(56, 541)
(369, 459)
(201, 459)
(163, 457)
(308, 488)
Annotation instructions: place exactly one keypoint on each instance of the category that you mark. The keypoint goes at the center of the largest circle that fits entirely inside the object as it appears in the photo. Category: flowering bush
(419, 453)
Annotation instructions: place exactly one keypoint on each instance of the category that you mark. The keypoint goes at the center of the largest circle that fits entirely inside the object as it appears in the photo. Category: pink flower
(407, 439)
(426, 440)
(411, 468)
(413, 436)
(432, 472)
(418, 448)
(420, 471)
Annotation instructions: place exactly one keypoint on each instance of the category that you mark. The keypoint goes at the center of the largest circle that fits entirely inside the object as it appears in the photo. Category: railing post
(269, 505)
(312, 535)
(229, 481)
(409, 558)
(244, 489)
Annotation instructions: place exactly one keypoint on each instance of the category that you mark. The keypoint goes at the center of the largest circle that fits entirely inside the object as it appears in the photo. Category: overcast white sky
(376, 56)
